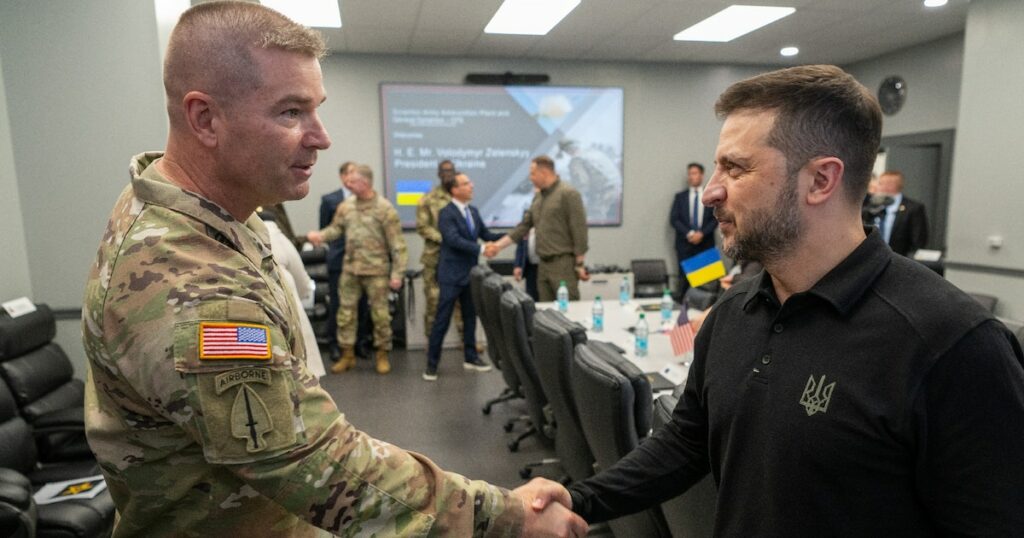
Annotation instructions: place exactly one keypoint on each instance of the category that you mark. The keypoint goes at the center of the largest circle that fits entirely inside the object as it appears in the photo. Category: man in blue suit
(693, 222)
(335, 253)
(460, 227)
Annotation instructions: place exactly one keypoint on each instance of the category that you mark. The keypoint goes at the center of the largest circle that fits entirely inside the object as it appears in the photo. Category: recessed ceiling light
(789, 51)
(529, 17)
(733, 22)
(319, 13)
(935, 3)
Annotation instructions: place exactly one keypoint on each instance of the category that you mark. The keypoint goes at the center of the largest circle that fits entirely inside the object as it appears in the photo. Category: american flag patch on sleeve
(233, 341)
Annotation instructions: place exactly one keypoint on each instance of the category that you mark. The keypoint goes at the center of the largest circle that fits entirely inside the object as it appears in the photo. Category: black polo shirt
(881, 402)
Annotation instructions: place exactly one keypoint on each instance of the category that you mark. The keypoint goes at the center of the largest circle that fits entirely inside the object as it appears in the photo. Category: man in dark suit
(904, 225)
(461, 227)
(335, 253)
(693, 222)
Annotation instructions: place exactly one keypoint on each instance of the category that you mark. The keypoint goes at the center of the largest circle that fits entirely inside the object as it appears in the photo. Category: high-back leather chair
(614, 401)
(517, 311)
(21, 470)
(477, 275)
(40, 377)
(649, 277)
(493, 286)
(693, 512)
(554, 339)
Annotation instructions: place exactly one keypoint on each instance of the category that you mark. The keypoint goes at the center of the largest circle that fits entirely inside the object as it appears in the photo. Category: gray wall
(83, 94)
(14, 274)
(987, 190)
(668, 122)
(932, 72)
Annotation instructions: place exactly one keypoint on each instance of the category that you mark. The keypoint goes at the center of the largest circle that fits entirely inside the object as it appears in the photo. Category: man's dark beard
(769, 233)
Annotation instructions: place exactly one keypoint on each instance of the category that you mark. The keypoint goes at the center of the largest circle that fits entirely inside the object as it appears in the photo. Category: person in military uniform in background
(199, 406)
(558, 214)
(375, 258)
(427, 210)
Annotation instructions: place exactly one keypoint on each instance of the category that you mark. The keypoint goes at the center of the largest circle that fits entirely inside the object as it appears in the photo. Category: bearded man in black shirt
(846, 391)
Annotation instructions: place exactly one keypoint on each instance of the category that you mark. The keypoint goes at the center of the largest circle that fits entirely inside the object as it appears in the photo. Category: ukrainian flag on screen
(704, 267)
(411, 190)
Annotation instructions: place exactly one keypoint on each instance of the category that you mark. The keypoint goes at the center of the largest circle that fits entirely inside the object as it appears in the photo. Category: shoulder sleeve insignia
(233, 341)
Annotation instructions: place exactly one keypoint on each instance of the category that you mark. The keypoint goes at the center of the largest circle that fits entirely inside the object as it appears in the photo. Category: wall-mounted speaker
(507, 78)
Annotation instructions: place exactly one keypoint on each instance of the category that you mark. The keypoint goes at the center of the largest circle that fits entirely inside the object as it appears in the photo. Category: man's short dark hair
(820, 110)
(441, 165)
(698, 166)
(544, 161)
(451, 181)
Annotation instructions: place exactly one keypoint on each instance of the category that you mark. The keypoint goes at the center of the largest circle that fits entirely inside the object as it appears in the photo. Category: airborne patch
(220, 340)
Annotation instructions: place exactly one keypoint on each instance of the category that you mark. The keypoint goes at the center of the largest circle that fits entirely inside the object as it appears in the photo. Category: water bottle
(624, 293)
(641, 336)
(666, 307)
(598, 314)
(562, 296)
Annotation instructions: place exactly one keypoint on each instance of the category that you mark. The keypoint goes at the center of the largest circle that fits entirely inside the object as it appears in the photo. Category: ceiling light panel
(732, 22)
(318, 13)
(529, 17)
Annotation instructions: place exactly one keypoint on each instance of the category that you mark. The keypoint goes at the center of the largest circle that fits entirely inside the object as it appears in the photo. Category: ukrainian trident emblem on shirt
(817, 395)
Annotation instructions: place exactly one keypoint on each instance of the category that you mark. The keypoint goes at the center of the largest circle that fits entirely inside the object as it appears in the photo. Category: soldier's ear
(200, 116)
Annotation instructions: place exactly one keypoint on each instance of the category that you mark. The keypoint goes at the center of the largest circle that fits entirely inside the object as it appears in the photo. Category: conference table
(619, 319)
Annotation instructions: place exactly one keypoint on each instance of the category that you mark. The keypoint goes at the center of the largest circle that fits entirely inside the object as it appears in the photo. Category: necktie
(469, 221)
(695, 217)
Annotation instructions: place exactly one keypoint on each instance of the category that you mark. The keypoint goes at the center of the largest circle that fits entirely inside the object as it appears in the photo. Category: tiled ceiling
(826, 31)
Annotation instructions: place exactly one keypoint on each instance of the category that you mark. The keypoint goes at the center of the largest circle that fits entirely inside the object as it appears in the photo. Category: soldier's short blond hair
(211, 49)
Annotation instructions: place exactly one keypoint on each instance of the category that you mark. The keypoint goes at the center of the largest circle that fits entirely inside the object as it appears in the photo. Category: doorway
(926, 162)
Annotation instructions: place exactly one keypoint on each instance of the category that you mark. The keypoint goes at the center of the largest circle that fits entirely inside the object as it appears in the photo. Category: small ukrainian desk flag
(704, 267)
(411, 190)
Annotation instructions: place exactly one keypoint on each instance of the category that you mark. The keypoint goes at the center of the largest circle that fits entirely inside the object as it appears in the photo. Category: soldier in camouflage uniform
(199, 406)
(427, 209)
(375, 257)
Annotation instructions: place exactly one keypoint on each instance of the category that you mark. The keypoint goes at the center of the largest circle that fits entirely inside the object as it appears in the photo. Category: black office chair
(476, 289)
(649, 278)
(517, 311)
(693, 512)
(21, 471)
(490, 317)
(40, 377)
(554, 339)
(614, 401)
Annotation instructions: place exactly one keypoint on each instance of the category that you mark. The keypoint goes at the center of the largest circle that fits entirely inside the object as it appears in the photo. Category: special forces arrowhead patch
(250, 419)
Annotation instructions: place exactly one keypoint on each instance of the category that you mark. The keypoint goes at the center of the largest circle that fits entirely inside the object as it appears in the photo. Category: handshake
(548, 510)
(491, 249)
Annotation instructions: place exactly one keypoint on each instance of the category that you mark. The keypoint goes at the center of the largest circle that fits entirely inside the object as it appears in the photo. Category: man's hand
(695, 237)
(554, 521)
(517, 273)
(395, 284)
(315, 238)
(541, 492)
(547, 505)
(491, 250)
(582, 273)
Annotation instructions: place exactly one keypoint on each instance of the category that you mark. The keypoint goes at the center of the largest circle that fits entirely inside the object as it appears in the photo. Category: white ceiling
(827, 31)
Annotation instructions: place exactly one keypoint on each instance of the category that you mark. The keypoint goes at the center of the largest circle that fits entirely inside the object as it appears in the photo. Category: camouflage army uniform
(199, 442)
(374, 253)
(427, 210)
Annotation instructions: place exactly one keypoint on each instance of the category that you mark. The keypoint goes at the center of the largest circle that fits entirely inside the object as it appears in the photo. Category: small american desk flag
(233, 341)
(682, 334)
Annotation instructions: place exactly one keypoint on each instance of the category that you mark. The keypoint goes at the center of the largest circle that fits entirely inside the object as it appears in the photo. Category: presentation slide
(491, 133)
